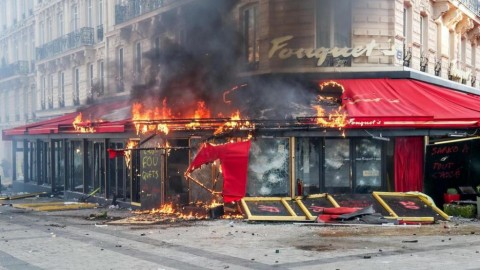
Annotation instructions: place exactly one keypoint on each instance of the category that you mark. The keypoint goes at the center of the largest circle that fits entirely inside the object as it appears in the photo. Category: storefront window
(43, 163)
(307, 159)
(368, 163)
(59, 165)
(337, 165)
(177, 163)
(98, 168)
(76, 169)
(268, 168)
(116, 174)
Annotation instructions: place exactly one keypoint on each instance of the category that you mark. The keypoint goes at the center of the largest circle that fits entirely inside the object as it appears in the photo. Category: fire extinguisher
(299, 187)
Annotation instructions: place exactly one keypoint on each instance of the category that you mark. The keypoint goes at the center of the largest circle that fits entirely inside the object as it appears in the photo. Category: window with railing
(472, 5)
(82, 37)
(14, 69)
(130, 9)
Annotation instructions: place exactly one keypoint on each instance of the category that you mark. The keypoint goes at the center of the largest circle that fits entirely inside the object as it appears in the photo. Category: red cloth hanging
(112, 153)
(234, 161)
(408, 164)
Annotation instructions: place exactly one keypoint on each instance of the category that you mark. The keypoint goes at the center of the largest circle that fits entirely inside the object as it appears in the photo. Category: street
(70, 240)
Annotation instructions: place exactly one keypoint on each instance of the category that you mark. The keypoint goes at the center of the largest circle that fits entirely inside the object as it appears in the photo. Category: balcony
(472, 5)
(135, 8)
(16, 68)
(82, 37)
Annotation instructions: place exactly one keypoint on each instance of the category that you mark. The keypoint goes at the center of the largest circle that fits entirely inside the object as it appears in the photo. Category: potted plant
(451, 195)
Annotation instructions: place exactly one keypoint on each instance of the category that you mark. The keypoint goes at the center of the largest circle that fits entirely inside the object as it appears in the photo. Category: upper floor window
(49, 29)
(138, 58)
(61, 89)
(76, 90)
(74, 17)
(89, 13)
(41, 32)
(60, 24)
(424, 43)
(334, 28)
(42, 92)
(101, 76)
(250, 29)
(120, 75)
(407, 35)
(100, 12)
(50, 91)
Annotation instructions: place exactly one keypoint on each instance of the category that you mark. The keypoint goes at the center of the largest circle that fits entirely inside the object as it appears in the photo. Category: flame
(235, 123)
(201, 112)
(141, 116)
(82, 126)
(336, 119)
(128, 152)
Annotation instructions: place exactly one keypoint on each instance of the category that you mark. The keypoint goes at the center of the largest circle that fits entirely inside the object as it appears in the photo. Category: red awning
(407, 103)
(109, 117)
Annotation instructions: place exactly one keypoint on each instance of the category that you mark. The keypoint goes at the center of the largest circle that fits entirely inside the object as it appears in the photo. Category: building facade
(275, 57)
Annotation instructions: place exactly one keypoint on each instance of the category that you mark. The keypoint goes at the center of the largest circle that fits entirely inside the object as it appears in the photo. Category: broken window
(268, 168)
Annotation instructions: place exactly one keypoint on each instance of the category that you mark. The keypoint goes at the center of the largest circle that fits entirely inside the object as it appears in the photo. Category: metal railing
(134, 8)
(472, 5)
(82, 37)
(13, 69)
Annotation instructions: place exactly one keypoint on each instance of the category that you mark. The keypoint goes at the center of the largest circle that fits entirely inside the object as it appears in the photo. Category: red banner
(234, 161)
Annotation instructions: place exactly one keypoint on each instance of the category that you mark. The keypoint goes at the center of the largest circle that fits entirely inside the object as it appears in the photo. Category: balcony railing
(135, 8)
(472, 5)
(82, 37)
(16, 68)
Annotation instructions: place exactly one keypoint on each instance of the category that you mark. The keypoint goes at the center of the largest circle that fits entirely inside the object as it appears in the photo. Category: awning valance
(407, 103)
(108, 117)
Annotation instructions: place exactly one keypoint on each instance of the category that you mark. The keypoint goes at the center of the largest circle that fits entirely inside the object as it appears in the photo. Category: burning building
(330, 103)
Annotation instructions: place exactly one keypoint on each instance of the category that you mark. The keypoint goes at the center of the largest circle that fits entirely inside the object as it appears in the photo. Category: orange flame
(235, 122)
(335, 119)
(82, 126)
(201, 112)
(128, 153)
(141, 116)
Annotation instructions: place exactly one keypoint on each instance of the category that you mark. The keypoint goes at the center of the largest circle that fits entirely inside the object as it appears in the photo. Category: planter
(448, 198)
(457, 210)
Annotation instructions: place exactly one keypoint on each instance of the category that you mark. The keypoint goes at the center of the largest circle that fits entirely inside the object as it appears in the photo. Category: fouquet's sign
(282, 51)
